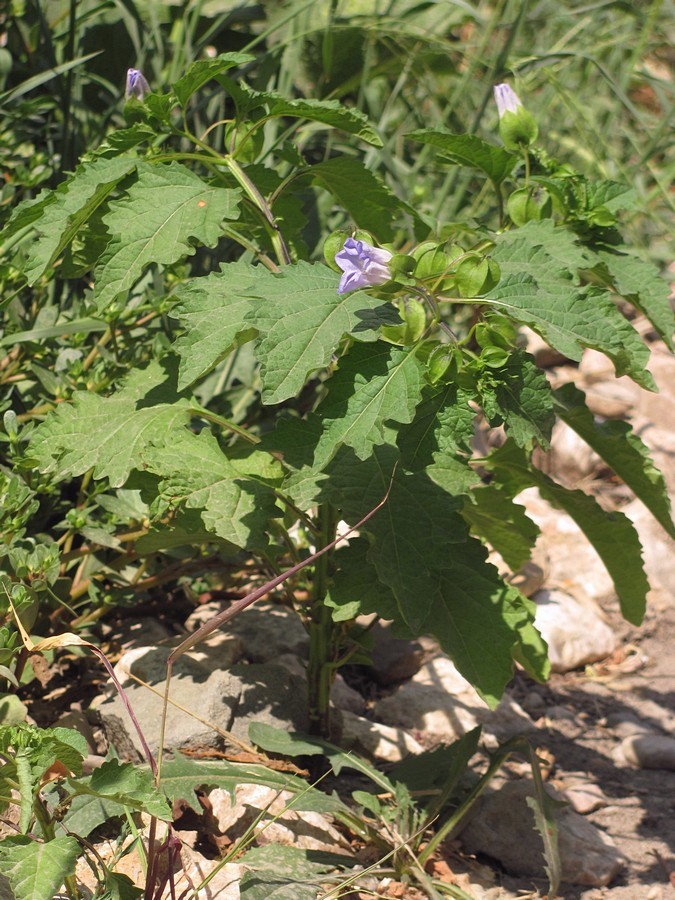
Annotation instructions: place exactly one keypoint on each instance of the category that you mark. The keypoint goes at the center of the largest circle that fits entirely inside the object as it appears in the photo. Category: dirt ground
(640, 810)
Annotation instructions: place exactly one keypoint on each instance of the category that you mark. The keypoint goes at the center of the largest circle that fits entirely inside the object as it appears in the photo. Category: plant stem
(257, 198)
(321, 632)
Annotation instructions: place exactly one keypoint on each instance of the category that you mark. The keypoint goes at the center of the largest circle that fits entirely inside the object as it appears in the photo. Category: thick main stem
(321, 633)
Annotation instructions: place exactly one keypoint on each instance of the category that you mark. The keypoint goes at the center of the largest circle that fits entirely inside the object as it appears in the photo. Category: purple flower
(137, 86)
(362, 265)
(506, 98)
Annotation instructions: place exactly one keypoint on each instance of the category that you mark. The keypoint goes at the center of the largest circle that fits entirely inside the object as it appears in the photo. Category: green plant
(377, 384)
(188, 388)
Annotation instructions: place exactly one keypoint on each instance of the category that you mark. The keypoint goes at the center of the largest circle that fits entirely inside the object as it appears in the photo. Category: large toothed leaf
(611, 533)
(36, 870)
(213, 311)
(203, 70)
(301, 319)
(355, 588)
(163, 216)
(495, 518)
(234, 501)
(181, 777)
(558, 242)
(613, 195)
(438, 574)
(443, 423)
(470, 151)
(126, 784)
(109, 434)
(518, 395)
(66, 210)
(276, 872)
(538, 292)
(328, 112)
(376, 385)
(369, 202)
(622, 450)
(87, 812)
(640, 283)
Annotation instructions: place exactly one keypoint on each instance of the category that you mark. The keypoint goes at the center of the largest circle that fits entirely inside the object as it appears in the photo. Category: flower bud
(517, 127)
(137, 86)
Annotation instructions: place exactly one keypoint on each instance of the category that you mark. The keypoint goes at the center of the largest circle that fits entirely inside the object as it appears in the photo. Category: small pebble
(534, 703)
(585, 798)
(650, 751)
(560, 712)
(625, 725)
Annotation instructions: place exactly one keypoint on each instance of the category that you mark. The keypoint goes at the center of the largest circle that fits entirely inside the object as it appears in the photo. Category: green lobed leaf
(355, 588)
(285, 743)
(557, 241)
(294, 440)
(234, 501)
(69, 207)
(124, 139)
(495, 518)
(213, 310)
(181, 777)
(276, 872)
(26, 213)
(369, 202)
(438, 574)
(164, 214)
(120, 887)
(375, 386)
(641, 283)
(622, 450)
(441, 768)
(109, 434)
(536, 291)
(203, 70)
(126, 784)
(443, 422)
(36, 870)
(29, 752)
(301, 319)
(519, 395)
(468, 150)
(87, 812)
(613, 195)
(328, 112)
(611, 533)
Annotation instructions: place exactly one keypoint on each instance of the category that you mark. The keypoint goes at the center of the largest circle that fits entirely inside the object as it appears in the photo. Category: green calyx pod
(602, 217)
(443, 363)
(412, 327)
(476, 275)
(401, 264)
(518, 129)
(494, 357)
(527, 204)
(431, 260)
(332, 245)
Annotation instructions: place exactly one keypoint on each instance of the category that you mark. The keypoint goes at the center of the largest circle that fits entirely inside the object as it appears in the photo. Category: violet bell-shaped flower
(137, 86)
(506, 98)
(362, 265)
